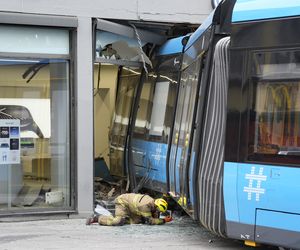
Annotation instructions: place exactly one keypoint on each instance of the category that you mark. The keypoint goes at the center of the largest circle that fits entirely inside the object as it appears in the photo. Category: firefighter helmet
(161, 204)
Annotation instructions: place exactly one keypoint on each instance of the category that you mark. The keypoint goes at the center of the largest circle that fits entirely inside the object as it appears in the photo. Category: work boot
(91, 220)
(122, 222)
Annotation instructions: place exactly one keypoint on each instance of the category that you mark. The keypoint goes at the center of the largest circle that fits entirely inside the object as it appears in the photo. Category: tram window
(159, 108)
(142, 123)
(274, 120)
(128, 81)
(156, 105)
(154, 117)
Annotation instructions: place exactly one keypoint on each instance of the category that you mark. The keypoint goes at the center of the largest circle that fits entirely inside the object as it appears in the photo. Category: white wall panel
(154, 10)
(174, 10)
(85, 116)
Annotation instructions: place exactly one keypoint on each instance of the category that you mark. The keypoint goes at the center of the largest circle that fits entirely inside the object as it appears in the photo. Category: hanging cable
(140, 47)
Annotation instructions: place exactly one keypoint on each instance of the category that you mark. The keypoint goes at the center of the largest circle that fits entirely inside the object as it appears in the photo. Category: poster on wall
(9, 141)
(34, 115)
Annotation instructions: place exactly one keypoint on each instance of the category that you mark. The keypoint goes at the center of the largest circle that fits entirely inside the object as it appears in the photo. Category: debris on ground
(106, 192)
(111, 192)
(101, 210)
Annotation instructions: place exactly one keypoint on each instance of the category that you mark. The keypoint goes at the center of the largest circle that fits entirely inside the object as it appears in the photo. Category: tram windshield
(275, 113)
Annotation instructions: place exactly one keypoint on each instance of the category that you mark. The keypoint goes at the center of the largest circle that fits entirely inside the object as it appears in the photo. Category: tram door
(179, 174)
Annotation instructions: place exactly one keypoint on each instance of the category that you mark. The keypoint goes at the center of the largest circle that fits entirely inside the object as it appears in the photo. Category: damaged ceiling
(169, 30)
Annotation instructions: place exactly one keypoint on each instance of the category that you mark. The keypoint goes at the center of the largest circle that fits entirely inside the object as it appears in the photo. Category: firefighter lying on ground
(134, 209)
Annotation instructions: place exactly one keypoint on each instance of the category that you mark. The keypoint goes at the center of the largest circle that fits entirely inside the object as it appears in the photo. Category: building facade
(47, 55)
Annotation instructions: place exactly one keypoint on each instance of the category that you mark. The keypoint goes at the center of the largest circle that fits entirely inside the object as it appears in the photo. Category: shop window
(34, 119)
(20, 39)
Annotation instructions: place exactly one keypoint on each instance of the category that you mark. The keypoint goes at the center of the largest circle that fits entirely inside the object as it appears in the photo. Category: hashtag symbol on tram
(255, 179)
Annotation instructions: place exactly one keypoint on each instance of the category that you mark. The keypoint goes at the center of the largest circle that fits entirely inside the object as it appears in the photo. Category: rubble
(106, 192)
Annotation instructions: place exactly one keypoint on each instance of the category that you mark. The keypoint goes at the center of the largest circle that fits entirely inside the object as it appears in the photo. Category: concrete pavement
(182, 233)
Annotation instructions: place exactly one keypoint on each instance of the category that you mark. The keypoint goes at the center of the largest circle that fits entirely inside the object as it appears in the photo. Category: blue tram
(151, 130)
(262, 145)
(217, 123)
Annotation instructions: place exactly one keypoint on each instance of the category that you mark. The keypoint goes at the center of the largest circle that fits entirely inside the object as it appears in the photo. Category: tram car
(217, 123)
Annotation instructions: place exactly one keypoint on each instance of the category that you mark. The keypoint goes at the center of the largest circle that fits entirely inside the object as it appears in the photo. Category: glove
(168, 219)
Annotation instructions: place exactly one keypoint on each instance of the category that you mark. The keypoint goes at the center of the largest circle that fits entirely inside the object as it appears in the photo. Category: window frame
(251, 82)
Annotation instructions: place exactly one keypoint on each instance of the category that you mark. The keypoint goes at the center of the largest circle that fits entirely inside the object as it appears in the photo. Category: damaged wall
(171, 11)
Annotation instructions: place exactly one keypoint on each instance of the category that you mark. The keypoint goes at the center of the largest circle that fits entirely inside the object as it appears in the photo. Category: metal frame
(73, 118)
(124, 30)
(38, 20)
(118, 62)
(33, 55)
(32, 212)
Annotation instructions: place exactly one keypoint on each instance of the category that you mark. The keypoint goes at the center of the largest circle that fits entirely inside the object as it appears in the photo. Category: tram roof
(203, 27)
(172, 46)
(250, 10)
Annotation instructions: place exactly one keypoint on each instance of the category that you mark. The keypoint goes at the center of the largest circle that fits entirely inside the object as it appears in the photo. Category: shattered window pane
(117, 47)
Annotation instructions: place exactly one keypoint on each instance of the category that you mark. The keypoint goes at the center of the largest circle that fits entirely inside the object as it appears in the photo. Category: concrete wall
(170, 11)
(85, 157)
